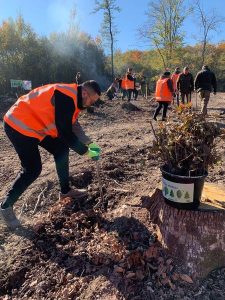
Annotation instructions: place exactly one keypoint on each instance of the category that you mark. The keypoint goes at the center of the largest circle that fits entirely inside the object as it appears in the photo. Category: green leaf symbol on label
(187, 195)
(166, 191)
(171, 193)
(179, 194)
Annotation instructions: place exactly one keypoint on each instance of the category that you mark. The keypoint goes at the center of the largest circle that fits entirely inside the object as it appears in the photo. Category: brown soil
(72, 250)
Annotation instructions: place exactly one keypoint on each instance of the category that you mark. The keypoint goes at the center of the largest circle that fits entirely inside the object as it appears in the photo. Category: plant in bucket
(187, 149)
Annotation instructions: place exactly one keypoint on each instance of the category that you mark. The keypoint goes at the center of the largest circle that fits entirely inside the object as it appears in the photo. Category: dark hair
(93, 85)
(167, 73)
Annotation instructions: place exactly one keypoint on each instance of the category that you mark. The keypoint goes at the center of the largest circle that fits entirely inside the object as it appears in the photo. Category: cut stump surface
(195, 237)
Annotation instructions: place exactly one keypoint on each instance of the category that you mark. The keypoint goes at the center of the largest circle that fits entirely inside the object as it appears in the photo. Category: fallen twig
(38, 199)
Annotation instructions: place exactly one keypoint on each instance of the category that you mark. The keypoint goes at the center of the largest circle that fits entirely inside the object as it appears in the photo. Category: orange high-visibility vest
(162, 92)
(174, 78)
(33, 114)
(129, 84)
(123, 84)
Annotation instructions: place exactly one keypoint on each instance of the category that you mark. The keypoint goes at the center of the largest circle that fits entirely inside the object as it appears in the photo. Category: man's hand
(94, 151)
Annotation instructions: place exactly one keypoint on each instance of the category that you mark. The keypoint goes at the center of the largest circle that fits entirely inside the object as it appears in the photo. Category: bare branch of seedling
(187, 147)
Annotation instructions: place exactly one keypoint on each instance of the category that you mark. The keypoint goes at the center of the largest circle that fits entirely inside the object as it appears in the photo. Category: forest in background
(24, 55)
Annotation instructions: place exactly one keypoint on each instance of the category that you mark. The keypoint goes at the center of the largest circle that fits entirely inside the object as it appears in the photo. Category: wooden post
(195, 238)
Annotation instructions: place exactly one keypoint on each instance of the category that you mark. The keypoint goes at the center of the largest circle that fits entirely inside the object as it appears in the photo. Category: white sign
(178, 192)
(24, 84)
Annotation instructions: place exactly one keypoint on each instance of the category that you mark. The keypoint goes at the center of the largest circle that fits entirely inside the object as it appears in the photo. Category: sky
(47, 16)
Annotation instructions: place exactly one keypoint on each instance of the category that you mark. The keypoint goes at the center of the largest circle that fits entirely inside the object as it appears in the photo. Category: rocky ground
(77, 250)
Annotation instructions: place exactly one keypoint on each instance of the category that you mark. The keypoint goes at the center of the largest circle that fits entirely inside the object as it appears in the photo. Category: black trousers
(187, 95)
(161, 104)
(129, 93)
(135, 94)
(31, 166)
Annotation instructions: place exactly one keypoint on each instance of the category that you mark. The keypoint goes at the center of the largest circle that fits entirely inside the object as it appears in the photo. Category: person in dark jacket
(185, 85)
(78, 79)
(45, 117)
(205, 80)
(143, 86)
(135, 91)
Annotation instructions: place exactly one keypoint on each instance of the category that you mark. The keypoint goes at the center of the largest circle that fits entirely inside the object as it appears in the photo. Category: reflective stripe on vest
(162, 92)
(34, 114)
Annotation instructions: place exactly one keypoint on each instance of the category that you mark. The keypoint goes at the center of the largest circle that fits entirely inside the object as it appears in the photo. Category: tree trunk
(195, 238)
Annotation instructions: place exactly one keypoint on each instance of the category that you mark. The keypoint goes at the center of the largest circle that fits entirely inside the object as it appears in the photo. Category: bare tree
(163, 27)
(209, 22)
(108, 28)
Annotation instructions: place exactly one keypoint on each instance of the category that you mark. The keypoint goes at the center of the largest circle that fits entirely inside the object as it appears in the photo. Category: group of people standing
(128, 86)
(181, 85)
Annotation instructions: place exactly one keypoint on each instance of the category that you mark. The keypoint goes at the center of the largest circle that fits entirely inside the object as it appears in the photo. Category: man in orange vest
(163, 94)
(129, 83)
(174, 78)
(45, 117)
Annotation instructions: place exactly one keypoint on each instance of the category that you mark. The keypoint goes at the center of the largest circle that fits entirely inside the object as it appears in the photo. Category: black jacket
(64, 110)
(205, 80)
(185, 83)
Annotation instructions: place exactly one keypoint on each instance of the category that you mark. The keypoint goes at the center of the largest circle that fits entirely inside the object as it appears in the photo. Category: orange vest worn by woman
(162, 92)
(129, 84)
(34, 114)
(123, 84)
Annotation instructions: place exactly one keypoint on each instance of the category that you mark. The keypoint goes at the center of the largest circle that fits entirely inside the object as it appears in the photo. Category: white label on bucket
(178, 192)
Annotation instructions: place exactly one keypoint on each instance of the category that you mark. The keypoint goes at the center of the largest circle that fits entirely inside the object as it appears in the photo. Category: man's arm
(214, 83)
(64, 110)
(170, 85)
(80, 133)
(178, 83)
(192, 83)
(196, 82)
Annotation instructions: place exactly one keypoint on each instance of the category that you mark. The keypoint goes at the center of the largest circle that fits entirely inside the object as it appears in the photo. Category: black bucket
(182, 192)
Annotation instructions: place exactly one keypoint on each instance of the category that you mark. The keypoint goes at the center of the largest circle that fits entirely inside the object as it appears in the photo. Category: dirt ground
(71, 250)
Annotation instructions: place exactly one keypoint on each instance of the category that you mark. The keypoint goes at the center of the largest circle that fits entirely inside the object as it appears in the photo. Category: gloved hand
(214, 93)
(94, 151)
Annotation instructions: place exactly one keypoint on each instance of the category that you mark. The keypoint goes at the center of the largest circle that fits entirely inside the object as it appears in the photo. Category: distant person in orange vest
(163, 94)
(174, 78)
(129, 83)
(45, 117)
(185, 85)
(122, 86)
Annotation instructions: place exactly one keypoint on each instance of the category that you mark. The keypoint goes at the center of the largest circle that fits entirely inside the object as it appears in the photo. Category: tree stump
(196, 238)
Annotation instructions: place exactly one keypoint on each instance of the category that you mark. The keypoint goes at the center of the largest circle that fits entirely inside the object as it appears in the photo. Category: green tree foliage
(163, 27)
(26, 56)
(149, 63)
